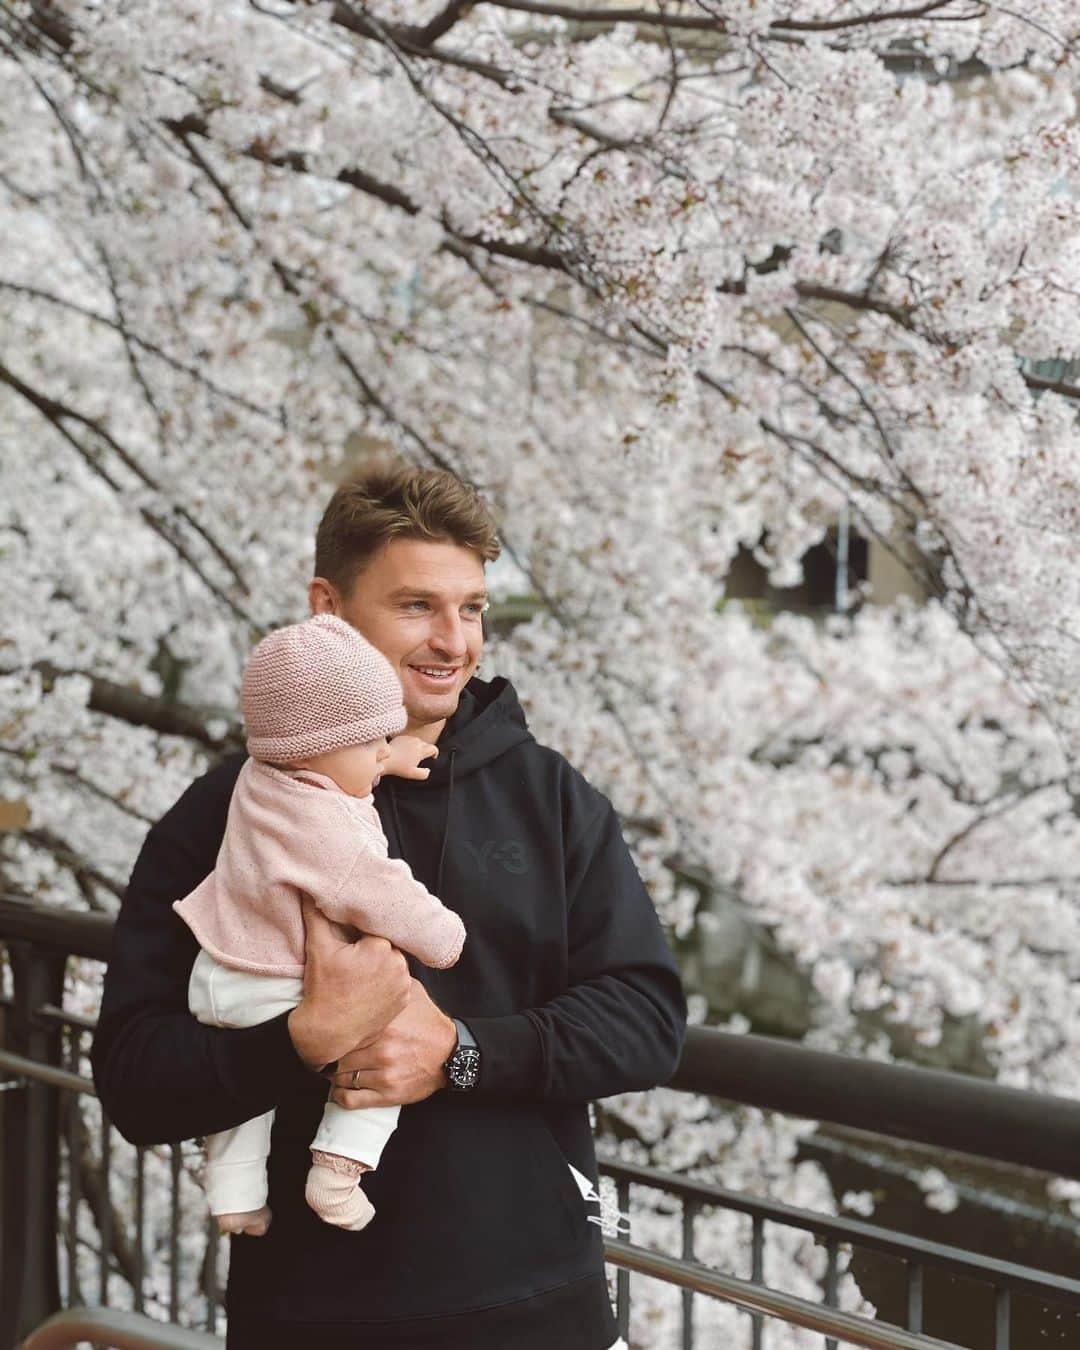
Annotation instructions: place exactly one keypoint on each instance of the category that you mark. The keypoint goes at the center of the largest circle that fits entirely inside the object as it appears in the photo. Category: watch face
(463, 1068)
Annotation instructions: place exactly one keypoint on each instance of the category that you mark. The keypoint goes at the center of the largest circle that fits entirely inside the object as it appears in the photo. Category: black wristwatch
(463, 1066)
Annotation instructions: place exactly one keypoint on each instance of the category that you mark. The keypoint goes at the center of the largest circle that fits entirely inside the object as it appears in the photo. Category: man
(565, 992)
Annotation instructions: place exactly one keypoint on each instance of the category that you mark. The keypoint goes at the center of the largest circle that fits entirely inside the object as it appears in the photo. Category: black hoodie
(481, 1237)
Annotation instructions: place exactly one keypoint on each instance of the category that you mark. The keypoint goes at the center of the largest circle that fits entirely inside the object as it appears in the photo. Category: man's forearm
(163, 1076)
(609, 1035)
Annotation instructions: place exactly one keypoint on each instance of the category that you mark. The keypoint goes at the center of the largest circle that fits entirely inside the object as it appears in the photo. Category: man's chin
(427, 705)
(428, 708)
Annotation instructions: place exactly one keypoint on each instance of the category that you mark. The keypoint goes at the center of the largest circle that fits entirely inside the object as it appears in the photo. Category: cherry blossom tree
(672, 283)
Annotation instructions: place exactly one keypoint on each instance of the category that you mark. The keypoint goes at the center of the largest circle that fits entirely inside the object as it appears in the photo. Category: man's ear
(323, 596)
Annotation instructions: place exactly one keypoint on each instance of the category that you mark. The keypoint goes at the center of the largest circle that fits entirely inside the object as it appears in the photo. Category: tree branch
(441, 24)
(65, 854)
(535, 255)
(151, 348)
(94, 1191)
(1062, 387)
(687, 22)
(863, 20)
(66, 771)
(57, 414)
(143, 710)
(407, 40)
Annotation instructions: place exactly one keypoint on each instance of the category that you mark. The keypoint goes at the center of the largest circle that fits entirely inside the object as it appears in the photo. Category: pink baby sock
(333, 1191)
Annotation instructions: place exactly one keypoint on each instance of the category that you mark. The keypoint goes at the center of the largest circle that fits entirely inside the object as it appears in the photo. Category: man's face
(420, 603)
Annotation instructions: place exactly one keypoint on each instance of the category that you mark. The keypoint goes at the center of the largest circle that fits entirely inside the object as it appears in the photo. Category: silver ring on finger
(355, 1081)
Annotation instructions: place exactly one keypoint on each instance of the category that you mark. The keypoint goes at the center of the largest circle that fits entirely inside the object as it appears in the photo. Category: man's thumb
(317, 927)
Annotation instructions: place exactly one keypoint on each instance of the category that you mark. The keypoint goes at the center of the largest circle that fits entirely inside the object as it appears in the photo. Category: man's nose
(447, 636)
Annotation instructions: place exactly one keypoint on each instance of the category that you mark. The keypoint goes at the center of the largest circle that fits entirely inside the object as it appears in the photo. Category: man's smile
(437, 674)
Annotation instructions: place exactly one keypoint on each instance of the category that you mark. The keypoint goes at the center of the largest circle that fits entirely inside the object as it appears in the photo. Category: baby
(319, 704)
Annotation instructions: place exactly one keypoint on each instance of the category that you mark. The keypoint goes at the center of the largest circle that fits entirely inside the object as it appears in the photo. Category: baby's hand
(406, 752)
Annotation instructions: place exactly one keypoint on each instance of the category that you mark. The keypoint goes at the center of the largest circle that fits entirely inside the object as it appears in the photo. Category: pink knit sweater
(295, 832)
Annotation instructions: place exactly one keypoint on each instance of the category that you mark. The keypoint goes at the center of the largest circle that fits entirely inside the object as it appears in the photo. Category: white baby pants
(236, 1159)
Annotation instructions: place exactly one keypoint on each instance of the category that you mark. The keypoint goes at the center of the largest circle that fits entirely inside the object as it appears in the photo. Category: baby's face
(354, 768)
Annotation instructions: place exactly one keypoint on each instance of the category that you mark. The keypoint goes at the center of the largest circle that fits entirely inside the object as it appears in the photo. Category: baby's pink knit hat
(317, 686)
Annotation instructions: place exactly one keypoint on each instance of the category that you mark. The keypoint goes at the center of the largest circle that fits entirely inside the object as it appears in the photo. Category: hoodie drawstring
(399, 834)
(446, 827)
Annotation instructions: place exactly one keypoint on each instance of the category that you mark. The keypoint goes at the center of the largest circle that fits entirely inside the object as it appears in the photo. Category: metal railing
(760, 1301)
(55, 1210)
(1003, 1280)
(119, 1330)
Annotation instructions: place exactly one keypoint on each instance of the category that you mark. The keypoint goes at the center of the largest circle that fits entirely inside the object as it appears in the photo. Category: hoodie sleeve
(160, 1074)
(619, 1025)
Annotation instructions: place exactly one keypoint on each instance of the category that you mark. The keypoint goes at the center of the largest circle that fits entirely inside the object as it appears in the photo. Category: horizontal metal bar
(949, 1110)
(53, 1016)
(756, 1298)
(67, 931)
(991, 1185)
(45, 1073)
(120, 1330)
(1020, 1279)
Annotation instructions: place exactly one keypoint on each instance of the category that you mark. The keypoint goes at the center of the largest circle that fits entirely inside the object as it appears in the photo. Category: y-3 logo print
(509, 854)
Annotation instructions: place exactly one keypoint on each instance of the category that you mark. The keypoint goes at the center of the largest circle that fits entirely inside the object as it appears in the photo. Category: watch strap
(464, 1035)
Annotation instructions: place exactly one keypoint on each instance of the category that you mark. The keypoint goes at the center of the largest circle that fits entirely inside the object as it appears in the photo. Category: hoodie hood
(489, 721)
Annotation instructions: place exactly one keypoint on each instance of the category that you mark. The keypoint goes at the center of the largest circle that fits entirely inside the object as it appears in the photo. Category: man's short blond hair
(388, 499)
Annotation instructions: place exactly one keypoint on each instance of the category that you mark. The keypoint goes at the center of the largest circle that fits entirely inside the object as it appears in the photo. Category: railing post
(29, 1281)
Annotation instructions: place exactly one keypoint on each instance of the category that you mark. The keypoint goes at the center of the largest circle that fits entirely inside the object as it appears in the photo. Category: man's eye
(474, 611)
(415, 604)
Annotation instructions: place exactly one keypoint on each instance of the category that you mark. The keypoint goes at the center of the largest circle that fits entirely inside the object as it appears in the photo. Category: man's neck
(426, 731)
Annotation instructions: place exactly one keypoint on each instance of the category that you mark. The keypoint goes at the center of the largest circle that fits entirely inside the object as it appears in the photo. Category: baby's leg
(236, 1176)
(348, 1144)
(236, 1159)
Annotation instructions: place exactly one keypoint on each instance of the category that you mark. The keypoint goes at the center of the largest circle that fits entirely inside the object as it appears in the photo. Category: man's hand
(352, 991)
(401, 1065)
(406, 753)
